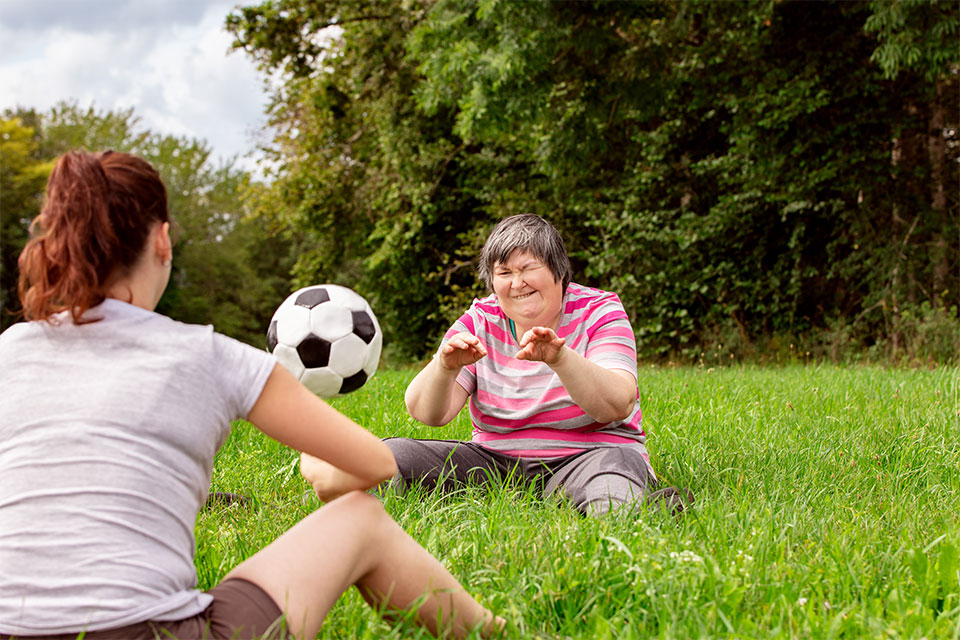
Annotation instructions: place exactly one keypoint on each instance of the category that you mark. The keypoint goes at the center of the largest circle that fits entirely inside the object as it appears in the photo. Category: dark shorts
(240, 611)
(595, 481)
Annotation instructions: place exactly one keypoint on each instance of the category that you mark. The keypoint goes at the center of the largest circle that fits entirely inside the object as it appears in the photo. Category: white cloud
(169, 60)
(96, 16)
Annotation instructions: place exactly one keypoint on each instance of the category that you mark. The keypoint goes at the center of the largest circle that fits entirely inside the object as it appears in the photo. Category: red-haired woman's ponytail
(95, 220)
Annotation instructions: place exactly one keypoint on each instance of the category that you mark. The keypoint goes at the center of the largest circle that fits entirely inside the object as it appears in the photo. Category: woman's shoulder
(586, 307)
(116, 315)
(487, 308)
(581, 295)
(18, 332)
(483, 314)
(118, 325)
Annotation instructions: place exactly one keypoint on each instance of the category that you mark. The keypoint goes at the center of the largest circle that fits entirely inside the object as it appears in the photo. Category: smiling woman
(550, 371)
(528, 292)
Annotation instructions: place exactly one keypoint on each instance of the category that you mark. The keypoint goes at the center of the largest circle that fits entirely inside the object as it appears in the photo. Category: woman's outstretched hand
(541, 344)
(461, 350)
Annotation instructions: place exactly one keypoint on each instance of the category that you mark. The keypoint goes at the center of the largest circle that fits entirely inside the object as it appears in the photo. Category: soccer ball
(327, 337)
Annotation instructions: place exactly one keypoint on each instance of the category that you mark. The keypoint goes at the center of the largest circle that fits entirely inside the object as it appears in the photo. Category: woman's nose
(517, 281)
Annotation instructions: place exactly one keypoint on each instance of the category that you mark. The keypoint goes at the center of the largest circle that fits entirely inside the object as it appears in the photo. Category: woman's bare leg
(353, 541)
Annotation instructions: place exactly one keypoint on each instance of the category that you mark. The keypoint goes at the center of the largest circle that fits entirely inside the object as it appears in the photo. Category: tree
(726, 167)
(22, 180)
(911, 35)
(371, 186)
(227, 269)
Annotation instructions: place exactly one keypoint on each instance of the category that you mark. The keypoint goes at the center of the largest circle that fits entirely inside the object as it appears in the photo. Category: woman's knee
(355, 505)
(629, 463)
(604, 480)
(355, 515)
(337, 536)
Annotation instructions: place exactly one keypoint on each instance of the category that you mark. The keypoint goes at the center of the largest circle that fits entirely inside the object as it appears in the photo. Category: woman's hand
(541, 344)
(328, 481)
(433, 397)
(461, 350)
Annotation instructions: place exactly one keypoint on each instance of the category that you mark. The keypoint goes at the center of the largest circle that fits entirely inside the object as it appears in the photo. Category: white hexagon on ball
(373, 355)
(289, 358)
(347, 355)
(295, 326)
(347, 298)
(330, 321)
(324, 382)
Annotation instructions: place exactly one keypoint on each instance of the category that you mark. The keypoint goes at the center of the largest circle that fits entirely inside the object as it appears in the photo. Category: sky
(168, 59)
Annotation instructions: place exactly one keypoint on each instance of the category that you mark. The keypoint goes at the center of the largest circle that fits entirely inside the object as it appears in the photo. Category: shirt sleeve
(610, 339)
(467, 378)
(244, 372)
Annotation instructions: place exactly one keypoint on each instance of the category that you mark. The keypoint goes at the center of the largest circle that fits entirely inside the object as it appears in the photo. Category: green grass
(827, 503)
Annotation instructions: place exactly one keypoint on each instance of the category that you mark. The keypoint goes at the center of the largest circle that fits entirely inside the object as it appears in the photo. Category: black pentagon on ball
(363, 326)
(272, 336)
(312, 297)
(314, 352)
(354, 382)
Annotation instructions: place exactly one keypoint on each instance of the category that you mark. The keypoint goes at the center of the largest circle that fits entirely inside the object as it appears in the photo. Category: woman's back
(110, 417)
(107, 436)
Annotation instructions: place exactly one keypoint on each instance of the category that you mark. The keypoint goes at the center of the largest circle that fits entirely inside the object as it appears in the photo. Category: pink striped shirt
(521, 408)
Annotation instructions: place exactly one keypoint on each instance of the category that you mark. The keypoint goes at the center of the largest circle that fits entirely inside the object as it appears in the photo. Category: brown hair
(97, 214)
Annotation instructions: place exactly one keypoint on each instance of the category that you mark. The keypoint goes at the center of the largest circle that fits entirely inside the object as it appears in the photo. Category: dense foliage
(750, 174)
(228, 269)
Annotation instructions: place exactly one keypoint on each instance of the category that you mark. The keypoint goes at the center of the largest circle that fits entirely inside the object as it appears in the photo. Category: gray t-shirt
(107, 436)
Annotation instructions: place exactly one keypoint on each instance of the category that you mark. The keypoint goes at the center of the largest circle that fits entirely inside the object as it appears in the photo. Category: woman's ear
(163, 244)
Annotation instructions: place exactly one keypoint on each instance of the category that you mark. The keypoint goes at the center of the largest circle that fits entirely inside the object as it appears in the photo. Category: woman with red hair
(110, 417)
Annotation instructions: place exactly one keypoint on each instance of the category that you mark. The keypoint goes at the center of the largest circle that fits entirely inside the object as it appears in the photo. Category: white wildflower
(686, 556)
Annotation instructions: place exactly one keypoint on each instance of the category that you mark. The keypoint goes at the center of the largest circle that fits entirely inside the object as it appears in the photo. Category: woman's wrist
(561, 359)
(443, 368)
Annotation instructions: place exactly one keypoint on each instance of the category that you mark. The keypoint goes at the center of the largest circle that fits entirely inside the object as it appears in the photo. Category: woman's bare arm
(291, 414)
(605, 395)
(434, 397)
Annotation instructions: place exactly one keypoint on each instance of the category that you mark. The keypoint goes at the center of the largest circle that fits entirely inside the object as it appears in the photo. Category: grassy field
(827, 503)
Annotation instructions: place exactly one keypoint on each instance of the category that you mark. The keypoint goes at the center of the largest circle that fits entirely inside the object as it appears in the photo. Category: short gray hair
(526, 232)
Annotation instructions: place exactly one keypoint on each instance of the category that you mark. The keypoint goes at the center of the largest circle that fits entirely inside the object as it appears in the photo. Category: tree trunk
(937, 148)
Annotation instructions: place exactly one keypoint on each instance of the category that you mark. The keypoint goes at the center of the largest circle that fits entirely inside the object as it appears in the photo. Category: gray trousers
(595, 481)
